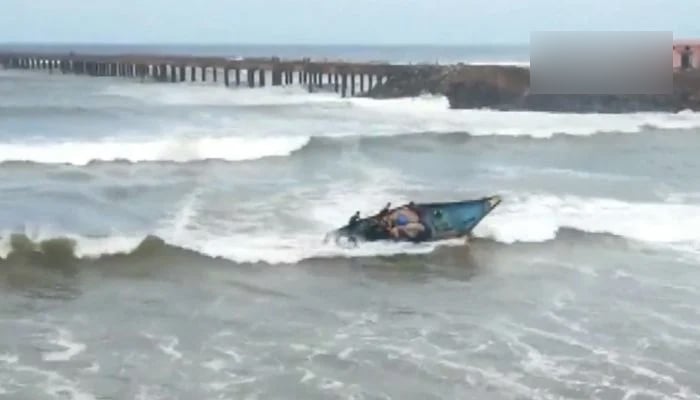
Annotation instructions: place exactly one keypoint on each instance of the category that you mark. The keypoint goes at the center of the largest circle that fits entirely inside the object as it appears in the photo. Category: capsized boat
(441, 221)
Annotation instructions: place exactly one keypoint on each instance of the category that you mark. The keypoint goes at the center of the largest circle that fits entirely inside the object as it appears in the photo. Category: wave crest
(67, 252)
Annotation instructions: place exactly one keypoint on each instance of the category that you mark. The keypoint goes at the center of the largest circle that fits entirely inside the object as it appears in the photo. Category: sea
(165, 241)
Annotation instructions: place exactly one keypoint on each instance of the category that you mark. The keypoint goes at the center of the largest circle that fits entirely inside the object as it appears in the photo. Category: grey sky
(332, 21)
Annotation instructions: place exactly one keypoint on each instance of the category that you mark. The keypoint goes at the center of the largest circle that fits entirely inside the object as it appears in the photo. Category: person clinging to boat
(402, 222)
(406, 222)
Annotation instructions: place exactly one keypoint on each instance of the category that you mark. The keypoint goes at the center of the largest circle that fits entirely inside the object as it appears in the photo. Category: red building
(686, 54)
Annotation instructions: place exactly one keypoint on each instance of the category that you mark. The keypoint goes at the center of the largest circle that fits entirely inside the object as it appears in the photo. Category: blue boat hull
(442, 221)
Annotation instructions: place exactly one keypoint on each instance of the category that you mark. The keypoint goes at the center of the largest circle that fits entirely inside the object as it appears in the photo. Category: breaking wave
(63, 252)
(532, 219)
(248, 148)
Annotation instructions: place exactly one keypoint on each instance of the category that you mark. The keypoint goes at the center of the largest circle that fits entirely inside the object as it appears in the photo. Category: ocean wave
(521, 219)
(176, 149)
(65, 252)
(215, 94)
(539, 217)
(223, 127)
(190, 148)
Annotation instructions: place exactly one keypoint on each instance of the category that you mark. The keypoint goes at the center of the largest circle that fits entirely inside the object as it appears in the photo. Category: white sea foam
(71, 347)
(520, 218)
(537, 217)
(166, 149)
(203, 94)
(238, 135)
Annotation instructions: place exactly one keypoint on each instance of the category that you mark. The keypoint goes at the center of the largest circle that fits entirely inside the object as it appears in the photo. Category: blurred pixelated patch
(601, 62)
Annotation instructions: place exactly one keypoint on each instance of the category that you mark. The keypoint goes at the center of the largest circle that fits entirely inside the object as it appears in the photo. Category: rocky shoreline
(507, 88)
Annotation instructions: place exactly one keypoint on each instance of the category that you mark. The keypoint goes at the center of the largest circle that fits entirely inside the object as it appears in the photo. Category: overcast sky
(333, 21)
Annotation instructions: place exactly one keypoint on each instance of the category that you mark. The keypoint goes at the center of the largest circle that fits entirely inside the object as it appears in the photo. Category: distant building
(686, 54)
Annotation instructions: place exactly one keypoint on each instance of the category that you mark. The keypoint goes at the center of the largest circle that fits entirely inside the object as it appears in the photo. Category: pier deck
(345, 78)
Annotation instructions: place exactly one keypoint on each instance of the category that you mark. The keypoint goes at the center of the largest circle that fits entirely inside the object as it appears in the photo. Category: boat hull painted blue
(443, 221)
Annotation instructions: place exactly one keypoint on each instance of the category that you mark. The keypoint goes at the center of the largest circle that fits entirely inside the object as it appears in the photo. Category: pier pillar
(352, 84)
(226, 78)
(193, 73)
(215, 70)
(300, 74)
(370, 78)
(163, 73)
(250, 74)
(344, 88)
(276, 77)
(262, 77)
(141, 71)
(238, 77)
(183, 75)
(173, 73)
(336, 82)
(50, 66)
(204, 74)
(362, 83)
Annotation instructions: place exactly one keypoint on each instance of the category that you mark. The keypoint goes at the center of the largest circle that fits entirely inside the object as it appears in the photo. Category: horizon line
(303, 44)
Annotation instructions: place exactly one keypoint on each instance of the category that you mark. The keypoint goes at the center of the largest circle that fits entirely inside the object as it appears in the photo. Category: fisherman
(354, 219)
(384, 210)
(406, 222)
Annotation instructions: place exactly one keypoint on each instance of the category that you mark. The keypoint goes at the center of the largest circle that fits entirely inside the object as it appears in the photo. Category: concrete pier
(314, 75)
